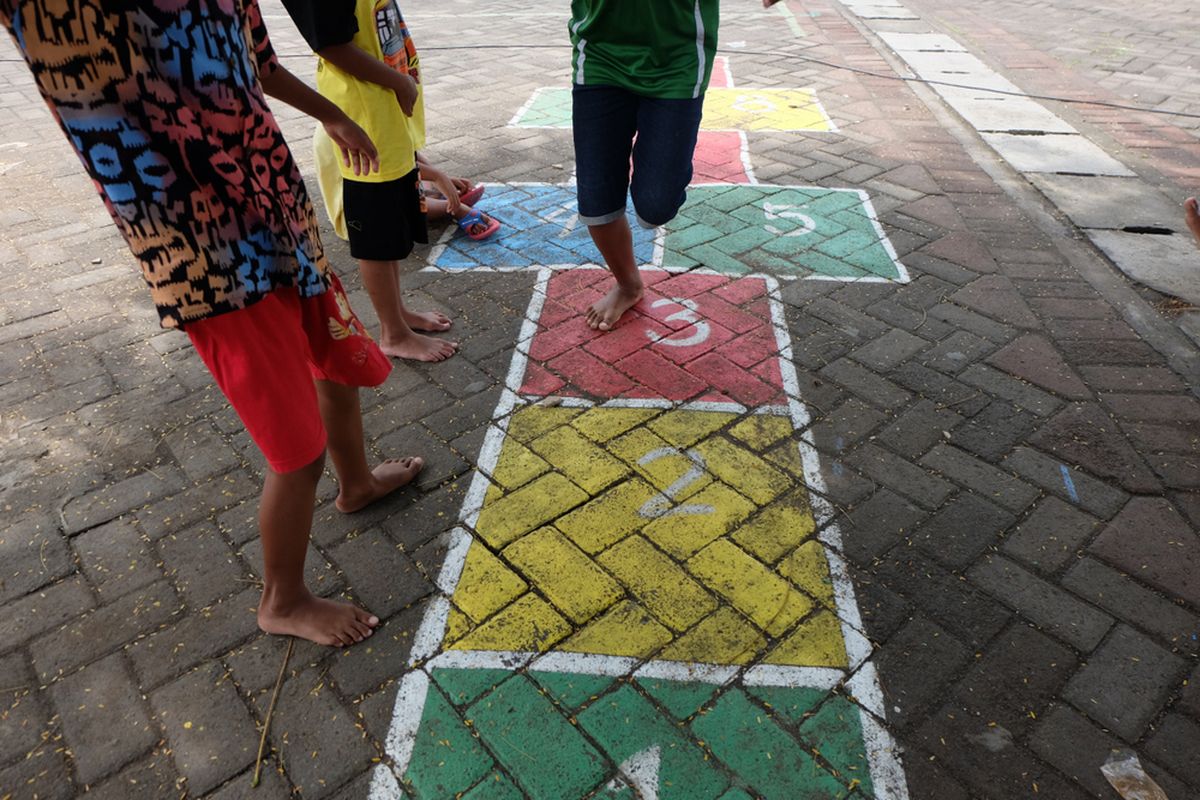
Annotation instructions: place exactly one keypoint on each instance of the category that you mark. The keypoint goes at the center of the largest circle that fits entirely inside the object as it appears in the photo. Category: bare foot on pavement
(385, 479)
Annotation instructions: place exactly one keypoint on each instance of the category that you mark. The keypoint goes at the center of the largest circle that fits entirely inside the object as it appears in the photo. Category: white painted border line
(794, 677)
(887, 774)
(524, 109)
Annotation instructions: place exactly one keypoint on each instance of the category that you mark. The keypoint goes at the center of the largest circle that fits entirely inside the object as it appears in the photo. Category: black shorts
(384, 220)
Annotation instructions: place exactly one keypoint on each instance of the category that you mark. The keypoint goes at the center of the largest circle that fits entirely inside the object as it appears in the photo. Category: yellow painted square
(571, 580)
(505, 518)
(664, 465)
(685, 428)
(486, 584)
(604, 424)
(683, 534)
(527, 625)
(624, 630)
(760, 431)
(817, 642)
(778, 530)
(767, 599)
(517, 466)
(727, 109)
(658, 582)
(530, 422)
(808, 568)
(723, 637)
(586, 464)
(608, 518)
(743, 470)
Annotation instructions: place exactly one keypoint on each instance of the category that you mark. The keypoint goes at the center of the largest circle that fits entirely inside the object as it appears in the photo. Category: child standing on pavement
(369, 68)
(640, 70)
(163, 102)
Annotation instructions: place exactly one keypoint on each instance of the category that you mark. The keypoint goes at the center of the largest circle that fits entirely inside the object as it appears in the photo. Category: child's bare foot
(1191, 213)
(429, 321)
(604, 313)
(322, 621)
(385, 479)
(417, 347)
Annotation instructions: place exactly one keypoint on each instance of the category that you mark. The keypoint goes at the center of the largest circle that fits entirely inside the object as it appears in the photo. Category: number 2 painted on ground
(661, 504)
(686, 314)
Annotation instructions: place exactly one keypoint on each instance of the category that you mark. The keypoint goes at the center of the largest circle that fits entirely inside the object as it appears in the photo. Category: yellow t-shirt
(383, 35)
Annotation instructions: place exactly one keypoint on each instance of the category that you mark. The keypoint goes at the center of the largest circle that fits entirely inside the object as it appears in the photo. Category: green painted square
(835, 731)
(681, 699)
(792, 231)
(736, 794)
(465, 686)
(792, 705)
(626, 725)
(572, 689)
(542, 751)
(551, 108)
(446, 758)
(494, 787)
(763, 755)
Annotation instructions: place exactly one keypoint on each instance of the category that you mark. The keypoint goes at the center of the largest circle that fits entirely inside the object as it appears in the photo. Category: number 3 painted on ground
(660, 504)
(808, 224)
(686, 314)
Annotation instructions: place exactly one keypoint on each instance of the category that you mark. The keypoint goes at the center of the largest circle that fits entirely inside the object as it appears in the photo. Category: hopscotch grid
(660, 235)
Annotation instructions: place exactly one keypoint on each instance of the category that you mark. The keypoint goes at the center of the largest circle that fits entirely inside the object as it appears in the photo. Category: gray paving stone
(982, 478)
(1078, 748)
(272, 785)
(1070, 484)
(201, 565)
(153, 776)
(210, 732)
(1040, 602)
(901, 476)
(889, 350)
(941, 389)
(34, 553)
(991, 433)
(23, 715)
(1124, 683)
(1051, 537)
(970, 614)
(98, 507)
(873, 527)
(1083, 434)
(201, 451)
(977, 324)
(919, 428)
(43, 774)
(381, 659)
(47, 608)
(1174, 744)
(104, 722)
(1016, 678)
(204, 501)
(116, 559)
(956, 351)
(865, 384)
(379, 574)
(1150, 540)
(962, 530)
(845, 425)
(319, 575)
(315, 736)
(103, 630)
(194, 638)
(914, 665)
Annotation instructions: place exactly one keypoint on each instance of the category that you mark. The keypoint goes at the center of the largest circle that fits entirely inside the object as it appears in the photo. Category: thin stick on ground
(262, 741)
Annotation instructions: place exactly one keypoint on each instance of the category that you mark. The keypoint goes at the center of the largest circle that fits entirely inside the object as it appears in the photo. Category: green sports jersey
(658, 48)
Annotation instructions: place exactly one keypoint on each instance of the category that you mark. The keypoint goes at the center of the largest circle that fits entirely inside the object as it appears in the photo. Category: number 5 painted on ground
(660, 504)
(808, 224)
(687, 314)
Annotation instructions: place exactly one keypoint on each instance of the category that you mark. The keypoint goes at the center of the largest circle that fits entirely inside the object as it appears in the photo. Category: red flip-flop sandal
(471, 196)
(482, 230)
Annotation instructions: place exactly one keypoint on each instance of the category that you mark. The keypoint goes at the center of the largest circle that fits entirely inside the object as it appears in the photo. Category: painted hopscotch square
(694, 337)
(725, 109)
(674, 535)
(787, 231)
(539, 227)
(645, 736)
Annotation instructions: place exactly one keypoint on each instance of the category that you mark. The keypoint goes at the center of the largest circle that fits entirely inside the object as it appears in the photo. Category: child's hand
(445, 185)
(358, 151)
(406, 93)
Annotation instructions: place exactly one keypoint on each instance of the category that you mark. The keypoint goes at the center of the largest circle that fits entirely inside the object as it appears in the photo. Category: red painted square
(720, 158)
(693, 337)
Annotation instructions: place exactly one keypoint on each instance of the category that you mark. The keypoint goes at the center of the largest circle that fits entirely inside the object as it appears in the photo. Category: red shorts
(266, 357)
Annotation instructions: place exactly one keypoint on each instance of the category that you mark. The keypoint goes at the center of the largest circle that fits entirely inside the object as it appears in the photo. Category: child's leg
(358, 484)
(398, 325)
(1191, 214)
(614, 240)
(605, 120)
(288, 607)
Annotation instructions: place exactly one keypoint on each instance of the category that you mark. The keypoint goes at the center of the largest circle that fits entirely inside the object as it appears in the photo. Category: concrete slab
(1055, 153)
(1110, 202)
(918, 42)
(1164, 263)
(987, 111)
(880, 11)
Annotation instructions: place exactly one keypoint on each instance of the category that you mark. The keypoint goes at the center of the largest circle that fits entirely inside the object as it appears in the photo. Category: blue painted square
(539, 226)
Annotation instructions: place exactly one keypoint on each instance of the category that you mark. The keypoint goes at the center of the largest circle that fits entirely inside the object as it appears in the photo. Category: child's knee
(655, 209)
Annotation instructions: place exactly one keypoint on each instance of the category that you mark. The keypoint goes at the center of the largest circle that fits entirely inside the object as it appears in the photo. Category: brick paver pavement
(886, 498)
